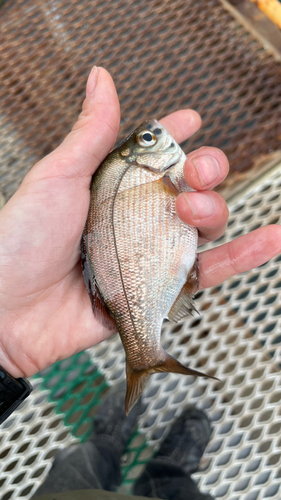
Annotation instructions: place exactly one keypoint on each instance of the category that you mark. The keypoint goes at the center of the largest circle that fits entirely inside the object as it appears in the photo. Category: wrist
(12, 392)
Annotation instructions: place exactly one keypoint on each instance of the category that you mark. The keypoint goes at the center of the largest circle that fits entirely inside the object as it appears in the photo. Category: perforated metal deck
(237, 337)
(162, 55)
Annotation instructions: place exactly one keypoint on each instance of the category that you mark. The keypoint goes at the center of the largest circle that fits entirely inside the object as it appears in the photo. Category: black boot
(95, 464)
(111, 425)
(186, 441)
(167, 476)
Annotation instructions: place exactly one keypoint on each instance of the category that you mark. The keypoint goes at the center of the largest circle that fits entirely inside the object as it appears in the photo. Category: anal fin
(183, 305)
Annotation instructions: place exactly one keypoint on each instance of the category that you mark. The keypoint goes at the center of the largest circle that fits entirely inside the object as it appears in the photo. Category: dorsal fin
(101, 311)
(183, 305)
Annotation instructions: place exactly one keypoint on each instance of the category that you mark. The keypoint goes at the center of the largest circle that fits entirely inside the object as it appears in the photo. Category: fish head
(151, 146)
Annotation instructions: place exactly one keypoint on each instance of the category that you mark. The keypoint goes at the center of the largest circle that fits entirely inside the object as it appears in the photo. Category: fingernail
(202, 205)
(207, 167)
(92, 81)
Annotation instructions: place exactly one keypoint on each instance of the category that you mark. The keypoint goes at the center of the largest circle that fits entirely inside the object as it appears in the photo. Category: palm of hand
(46, 314)
(45, 305)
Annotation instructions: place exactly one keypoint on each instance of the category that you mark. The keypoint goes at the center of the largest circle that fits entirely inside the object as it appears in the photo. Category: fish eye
(146, 138)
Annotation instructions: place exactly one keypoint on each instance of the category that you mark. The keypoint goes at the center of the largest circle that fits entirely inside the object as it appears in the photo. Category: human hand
(45, 310)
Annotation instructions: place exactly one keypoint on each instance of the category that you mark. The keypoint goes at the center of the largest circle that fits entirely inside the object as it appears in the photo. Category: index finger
(182, 124)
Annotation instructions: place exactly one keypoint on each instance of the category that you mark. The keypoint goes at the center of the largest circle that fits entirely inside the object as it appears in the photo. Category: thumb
(91, 138)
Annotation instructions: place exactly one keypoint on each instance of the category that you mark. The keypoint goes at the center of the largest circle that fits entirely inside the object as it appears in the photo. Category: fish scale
(139, 258)
(156, 281)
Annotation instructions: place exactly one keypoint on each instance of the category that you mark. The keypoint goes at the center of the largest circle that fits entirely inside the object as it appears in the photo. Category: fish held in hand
(138, 257)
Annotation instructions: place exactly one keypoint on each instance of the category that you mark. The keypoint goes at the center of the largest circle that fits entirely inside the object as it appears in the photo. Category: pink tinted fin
(183, 305)
(100, 310)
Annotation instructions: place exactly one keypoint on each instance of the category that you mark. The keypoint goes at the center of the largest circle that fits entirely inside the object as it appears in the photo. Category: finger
(205, 168)
(207, 211)
(92, 136)
(240, 255)
(182, 124)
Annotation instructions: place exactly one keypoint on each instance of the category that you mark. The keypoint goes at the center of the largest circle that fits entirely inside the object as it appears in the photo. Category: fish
(139, 259)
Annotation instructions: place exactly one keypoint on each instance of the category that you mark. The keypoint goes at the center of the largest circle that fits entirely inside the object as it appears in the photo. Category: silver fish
(139, 259)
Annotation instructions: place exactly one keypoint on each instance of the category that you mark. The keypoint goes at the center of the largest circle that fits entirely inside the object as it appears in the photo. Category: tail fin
(136, 379)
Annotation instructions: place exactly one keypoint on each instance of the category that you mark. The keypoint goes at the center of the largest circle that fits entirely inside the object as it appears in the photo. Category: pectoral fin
(183, 305)
(176, 177)
(166, 179)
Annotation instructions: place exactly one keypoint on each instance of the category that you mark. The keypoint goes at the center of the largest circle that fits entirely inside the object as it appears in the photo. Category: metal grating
(163, 56)
(29, 440)
(237, 337)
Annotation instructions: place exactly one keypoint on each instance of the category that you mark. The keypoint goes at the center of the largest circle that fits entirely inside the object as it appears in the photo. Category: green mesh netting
(77, 388)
